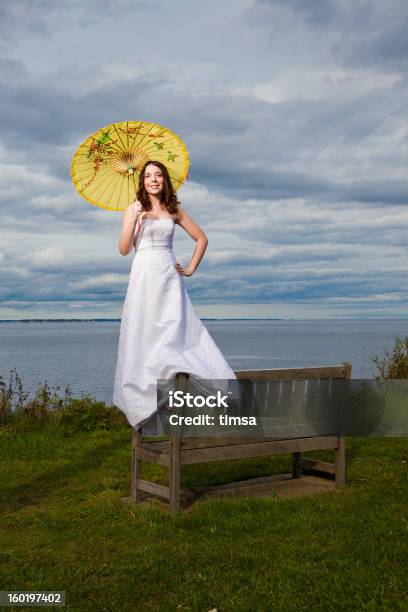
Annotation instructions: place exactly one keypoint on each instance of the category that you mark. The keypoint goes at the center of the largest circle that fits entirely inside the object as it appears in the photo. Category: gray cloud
(44, 17)
(318, 11)
(362, 32)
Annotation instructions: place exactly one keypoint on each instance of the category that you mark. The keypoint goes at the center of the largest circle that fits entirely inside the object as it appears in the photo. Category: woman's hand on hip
(184, 271)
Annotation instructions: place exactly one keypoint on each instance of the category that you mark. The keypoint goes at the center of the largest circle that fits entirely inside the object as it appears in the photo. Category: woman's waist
(154, 247)
(154, 251)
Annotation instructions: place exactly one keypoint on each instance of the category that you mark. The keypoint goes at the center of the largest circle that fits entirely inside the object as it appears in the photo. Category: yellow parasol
(105, 168)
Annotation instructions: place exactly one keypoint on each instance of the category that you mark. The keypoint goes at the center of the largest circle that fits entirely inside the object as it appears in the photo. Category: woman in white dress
(160, 332)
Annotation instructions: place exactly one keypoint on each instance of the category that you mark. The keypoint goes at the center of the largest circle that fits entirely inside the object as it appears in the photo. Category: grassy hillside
(64, 527)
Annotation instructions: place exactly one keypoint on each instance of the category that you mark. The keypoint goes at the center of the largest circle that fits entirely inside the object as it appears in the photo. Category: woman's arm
(196, 234)
(128, 229)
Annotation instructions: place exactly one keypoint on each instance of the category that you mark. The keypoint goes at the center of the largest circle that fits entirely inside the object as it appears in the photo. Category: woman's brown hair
(168, 197)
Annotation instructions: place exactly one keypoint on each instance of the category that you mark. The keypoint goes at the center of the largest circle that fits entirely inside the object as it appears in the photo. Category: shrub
(394, 366)
(84, 414)
(5, 403)
(87, 414)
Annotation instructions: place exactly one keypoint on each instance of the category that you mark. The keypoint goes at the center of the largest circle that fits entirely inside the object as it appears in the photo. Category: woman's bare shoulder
(178, 216)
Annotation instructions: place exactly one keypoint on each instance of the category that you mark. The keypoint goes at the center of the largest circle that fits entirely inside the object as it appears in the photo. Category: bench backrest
(292, 389)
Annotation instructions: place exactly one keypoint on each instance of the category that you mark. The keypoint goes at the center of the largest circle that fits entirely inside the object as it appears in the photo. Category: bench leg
(340, 464)
(136, 465)
(174, 474)
(296, 469)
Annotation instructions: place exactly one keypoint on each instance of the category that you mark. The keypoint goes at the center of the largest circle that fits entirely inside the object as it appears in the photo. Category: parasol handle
(138, 222)
(138, 215)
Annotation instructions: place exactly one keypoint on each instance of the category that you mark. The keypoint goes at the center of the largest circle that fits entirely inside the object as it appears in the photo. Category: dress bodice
(155, 233)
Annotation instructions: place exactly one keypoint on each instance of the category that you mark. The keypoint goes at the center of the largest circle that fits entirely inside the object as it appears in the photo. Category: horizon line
(55, 320)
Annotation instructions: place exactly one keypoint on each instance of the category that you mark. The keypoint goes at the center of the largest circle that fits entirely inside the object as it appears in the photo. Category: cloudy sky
(295, 116)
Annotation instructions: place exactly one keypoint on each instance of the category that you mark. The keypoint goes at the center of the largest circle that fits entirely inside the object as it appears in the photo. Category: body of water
(83, 354)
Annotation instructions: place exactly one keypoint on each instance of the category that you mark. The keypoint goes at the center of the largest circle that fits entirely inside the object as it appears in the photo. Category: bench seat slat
(246, 451)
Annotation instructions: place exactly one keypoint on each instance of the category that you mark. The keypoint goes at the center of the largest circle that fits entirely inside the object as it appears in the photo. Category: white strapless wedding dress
(160, 332)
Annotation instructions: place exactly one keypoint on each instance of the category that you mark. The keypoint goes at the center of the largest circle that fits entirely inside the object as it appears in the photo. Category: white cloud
(100, 281)
(309, 83)
(15, 176)
(49, 257)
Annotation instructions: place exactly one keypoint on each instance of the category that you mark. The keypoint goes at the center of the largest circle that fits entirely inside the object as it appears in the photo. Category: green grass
(64, 527)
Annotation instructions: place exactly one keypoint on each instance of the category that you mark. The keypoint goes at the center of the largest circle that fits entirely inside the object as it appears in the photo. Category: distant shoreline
(118, 320)
(202, 319)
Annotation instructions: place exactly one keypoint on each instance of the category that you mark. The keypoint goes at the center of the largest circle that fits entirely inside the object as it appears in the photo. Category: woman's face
(153, 180)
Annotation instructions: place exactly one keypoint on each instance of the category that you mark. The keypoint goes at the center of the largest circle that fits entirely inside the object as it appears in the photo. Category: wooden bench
(178, 450)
